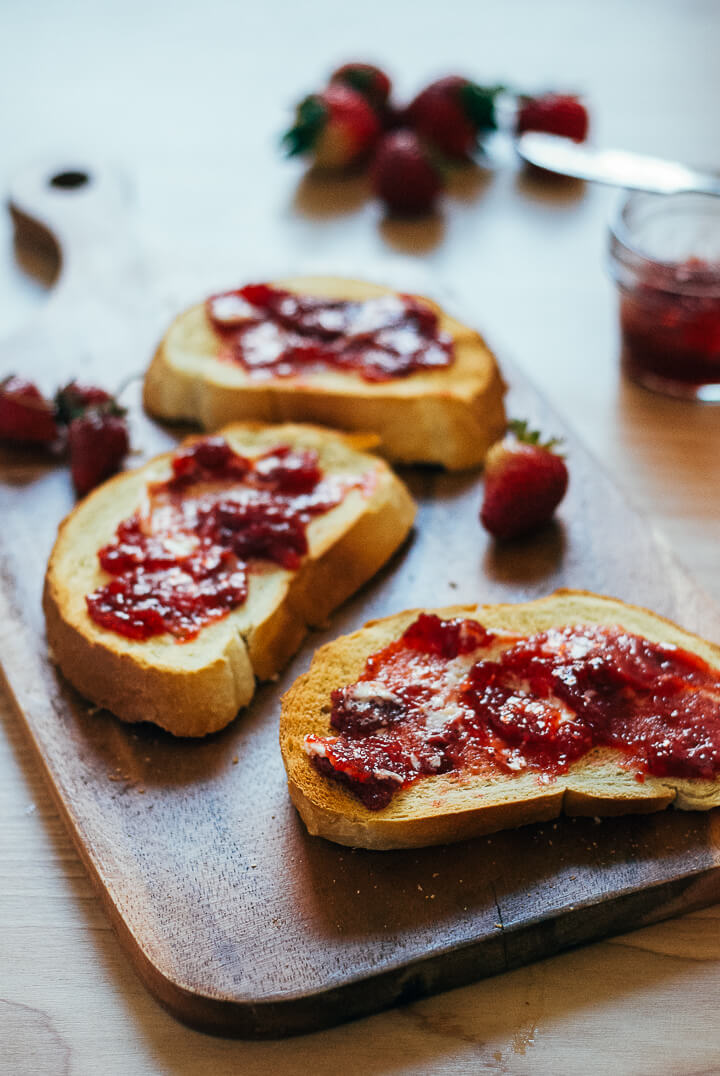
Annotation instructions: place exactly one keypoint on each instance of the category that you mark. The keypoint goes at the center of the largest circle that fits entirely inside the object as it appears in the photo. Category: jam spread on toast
(182, 560)
(276, 333)
(449, 696)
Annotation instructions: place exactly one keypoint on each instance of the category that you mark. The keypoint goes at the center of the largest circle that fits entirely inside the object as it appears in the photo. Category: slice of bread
(196, 687)
(449, 416)
(443, 808)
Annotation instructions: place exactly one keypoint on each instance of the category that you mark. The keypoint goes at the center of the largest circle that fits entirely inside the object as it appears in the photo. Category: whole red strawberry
(26, 417)
(553, 113)
(337, 128)
(404, 176)
(366, 79)
(451, 113)
(98, 442)
(524, 483)
(98, 439)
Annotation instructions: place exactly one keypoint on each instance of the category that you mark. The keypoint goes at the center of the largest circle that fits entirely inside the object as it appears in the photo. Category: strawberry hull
(525, 481)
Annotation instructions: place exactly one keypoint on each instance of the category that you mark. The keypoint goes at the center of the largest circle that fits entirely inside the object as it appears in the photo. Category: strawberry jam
(670, 324)
(665, 258)
(183, 560)
(451, 697)
(276, 333)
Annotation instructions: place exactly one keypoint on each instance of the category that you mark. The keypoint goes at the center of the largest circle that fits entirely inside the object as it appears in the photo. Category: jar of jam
(665, 259)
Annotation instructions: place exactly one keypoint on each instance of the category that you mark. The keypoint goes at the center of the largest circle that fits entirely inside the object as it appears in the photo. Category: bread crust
(449, 417)
(445, 808)
(197, 687)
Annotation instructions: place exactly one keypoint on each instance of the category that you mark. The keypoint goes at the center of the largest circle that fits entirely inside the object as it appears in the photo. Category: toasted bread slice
(449, 416)
(196, 687)
(446, 807)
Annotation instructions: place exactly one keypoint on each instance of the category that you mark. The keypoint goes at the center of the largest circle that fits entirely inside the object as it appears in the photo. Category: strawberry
(337, 127)
(553, 113)
(26, 417)
(365, 79)
(404, 176)
(525, 480)
(98, 438)
(98, 442)
(75, 398)
(452, 112)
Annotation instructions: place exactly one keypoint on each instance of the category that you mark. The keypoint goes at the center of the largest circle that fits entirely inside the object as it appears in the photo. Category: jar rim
(621, 232)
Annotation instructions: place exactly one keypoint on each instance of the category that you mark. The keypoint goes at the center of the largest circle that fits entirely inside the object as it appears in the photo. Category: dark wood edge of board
(507, 950)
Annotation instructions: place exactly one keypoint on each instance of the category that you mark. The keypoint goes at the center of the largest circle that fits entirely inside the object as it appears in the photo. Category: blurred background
(190, 101)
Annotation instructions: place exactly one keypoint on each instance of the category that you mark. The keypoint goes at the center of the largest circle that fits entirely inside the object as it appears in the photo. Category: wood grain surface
(529, 261)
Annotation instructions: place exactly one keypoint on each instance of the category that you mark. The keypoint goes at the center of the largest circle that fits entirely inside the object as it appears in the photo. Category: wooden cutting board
(236, 920)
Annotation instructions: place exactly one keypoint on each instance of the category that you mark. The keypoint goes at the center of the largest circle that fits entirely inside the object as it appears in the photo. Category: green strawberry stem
(357, 79)
(310, 118)
(68, 408)
(521, 429)
(478, 103)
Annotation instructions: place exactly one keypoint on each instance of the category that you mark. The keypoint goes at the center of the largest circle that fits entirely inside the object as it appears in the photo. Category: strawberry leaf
(478, 103)
(360, 79)
(74, 400)
(310, 118)
(521, 429)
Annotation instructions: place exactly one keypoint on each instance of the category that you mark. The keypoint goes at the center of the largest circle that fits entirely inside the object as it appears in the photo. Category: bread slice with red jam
(343, 353)
(437, 726)
(172, 588)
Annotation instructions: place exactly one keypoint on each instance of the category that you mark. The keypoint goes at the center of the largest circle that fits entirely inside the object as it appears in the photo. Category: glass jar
(665, 259)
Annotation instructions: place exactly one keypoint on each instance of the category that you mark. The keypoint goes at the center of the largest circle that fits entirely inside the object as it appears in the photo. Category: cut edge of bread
(449, 417)
(454, 807)
(197, 687)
